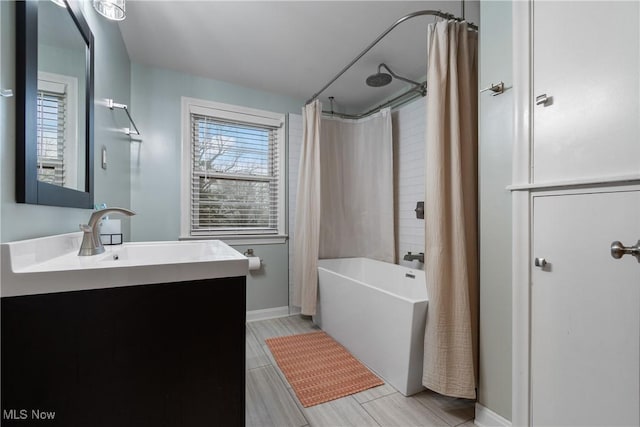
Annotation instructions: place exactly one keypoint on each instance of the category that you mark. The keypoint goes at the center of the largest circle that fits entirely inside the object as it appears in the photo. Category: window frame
(239, 114)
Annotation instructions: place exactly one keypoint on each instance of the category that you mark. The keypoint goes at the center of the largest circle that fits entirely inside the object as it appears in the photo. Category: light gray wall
(268, 287)
(495, 149)
(112, 80)
(155, 165)
(295, 149)
(4, 118)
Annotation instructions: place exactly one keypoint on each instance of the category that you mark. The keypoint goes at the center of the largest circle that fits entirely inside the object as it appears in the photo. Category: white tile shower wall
(295, 145)
(409, 147)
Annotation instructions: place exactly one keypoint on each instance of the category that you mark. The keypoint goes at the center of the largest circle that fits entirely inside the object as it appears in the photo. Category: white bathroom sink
(51, 264)
(150, 253)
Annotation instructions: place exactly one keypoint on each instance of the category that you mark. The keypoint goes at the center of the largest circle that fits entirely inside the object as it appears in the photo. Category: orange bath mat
(319, 369)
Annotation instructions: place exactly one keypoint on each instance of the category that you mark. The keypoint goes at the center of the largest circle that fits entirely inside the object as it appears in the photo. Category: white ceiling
(286, 47)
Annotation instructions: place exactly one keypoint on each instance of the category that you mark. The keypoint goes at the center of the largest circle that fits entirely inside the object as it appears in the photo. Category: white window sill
(243, 240)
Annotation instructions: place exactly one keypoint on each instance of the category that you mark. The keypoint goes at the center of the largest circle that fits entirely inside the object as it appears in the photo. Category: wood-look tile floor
(272, 403)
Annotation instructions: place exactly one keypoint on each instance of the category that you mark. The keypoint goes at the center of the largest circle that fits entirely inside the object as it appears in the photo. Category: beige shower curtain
(451, 255)
(356, 158)
(306, 239)
(344, 203)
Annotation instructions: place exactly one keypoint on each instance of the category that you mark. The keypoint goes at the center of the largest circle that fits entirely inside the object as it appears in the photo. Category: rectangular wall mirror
(54, 74)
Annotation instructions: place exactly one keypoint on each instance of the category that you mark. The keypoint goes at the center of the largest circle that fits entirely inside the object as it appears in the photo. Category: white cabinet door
(586, 58)
(585, 305)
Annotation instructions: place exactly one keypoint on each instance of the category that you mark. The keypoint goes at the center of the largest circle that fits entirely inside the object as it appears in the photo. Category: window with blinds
(51, 132)
(235, 184)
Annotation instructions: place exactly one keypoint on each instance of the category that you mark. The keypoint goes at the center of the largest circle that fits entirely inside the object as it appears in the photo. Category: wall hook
(497, 88)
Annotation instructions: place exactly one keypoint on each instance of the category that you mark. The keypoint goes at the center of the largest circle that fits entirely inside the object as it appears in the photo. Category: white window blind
(235, 176)
(51, 131)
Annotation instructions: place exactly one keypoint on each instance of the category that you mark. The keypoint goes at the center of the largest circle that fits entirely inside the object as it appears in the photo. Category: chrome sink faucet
(411, 257)
(91, 242)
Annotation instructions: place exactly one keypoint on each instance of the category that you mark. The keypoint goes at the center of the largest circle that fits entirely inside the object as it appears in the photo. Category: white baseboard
(485, 417)
(294, 310)
(267, 313)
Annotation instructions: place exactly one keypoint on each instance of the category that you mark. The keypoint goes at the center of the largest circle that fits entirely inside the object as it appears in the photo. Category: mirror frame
(28, 188)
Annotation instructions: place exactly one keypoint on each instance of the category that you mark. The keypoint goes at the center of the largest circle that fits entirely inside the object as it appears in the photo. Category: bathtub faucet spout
(411, 257)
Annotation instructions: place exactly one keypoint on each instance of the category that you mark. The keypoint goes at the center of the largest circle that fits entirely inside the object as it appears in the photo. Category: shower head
(382, 79)
(379, 79)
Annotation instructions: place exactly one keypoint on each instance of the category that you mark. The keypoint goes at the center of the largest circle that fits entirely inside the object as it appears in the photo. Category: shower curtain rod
(390, 103)
(383, 35)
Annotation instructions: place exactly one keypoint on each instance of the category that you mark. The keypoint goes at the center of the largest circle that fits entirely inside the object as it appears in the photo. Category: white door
(586, 60)
(585, 305)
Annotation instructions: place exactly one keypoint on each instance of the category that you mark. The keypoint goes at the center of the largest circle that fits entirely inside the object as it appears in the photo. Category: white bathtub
(377, 311)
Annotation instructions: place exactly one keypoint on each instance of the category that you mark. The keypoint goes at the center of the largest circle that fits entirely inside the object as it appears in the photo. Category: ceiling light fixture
(110, 9)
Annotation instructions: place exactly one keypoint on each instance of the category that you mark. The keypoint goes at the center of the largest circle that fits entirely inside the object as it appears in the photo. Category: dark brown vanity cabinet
(149, 355)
